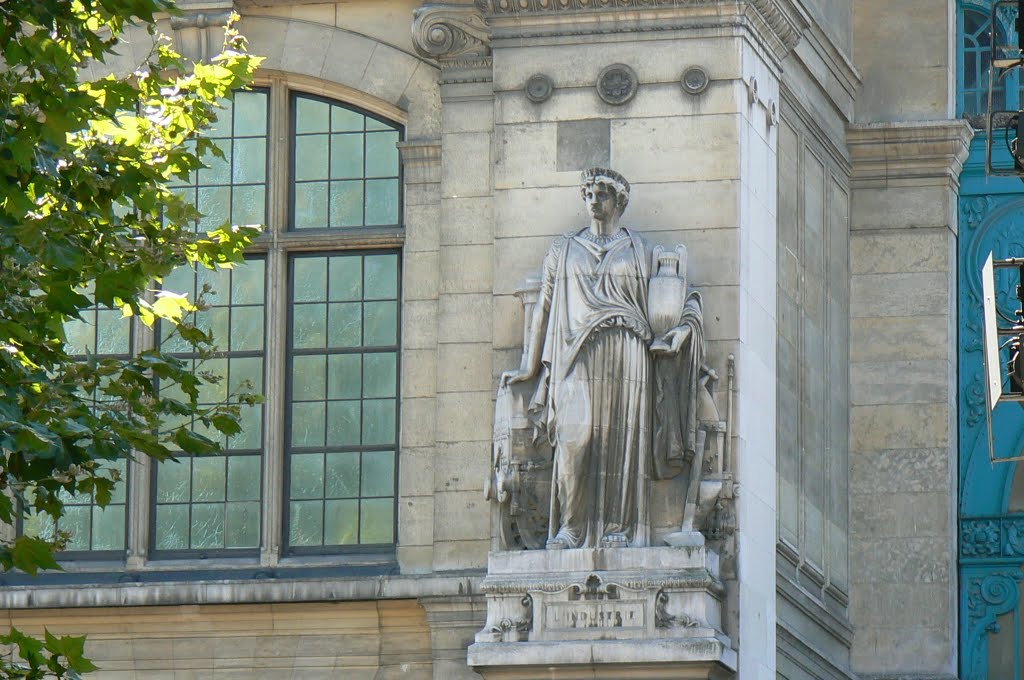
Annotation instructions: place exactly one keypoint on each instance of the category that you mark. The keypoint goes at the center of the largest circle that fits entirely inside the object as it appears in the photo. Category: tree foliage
(87, 218)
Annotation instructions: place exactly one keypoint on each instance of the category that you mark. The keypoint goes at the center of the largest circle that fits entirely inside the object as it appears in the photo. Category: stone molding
(925, 153)
(834, 73)
(238, 591)
(199, 33)
(421, 160)
(807, 658)
(814, 609)
(779, 23)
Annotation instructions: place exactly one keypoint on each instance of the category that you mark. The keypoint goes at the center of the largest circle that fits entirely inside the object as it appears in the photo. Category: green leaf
(32, 554)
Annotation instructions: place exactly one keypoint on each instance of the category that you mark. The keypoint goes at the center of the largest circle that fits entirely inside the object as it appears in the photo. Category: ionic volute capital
(450, 32)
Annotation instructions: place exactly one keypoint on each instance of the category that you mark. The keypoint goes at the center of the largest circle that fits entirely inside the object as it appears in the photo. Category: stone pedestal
(603, 613)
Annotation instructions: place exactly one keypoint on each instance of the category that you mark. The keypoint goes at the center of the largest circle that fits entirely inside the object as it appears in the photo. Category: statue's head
(611, 180)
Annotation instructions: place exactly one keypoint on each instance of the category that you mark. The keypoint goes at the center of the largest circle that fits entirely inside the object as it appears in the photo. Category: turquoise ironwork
(991, 215)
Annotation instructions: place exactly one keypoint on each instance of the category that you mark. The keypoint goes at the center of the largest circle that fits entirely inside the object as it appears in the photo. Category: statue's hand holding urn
(666, 295)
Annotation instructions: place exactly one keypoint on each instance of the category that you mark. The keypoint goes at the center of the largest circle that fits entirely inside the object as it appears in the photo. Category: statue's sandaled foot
(616, 540)
(557, 543)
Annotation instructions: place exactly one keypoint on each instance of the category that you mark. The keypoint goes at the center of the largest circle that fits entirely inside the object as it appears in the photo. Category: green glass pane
(247, 282)
(216, 390)
(251, 422)
(344, 379)
(309, 374)
(346, 278)
(112, 332)
(311, 205)
(171, 340)
(214, 285)
(378, 473)
(381, 154)
(73, 499)
(246, 372)
(188, 195)
(381, 277)
(306, 523)
(120, 467)
(215, 205)
(380, 374)
(80, 334)
(171, 527)
(247, 329)
(242, 525)
(379, 421)
(310, 279)
(222, 126)
(249, 205)
(345, 324)
(347, 204)
(217, 170)
(244, 478)
(306, 475)
(181, 280)
(374, 124)
(208, 525)
(346, 156)
(377, 521)
(311, 154)
(381, 323)
(342, 523)
(343, 423)
(342, 478)
(77, 521)
(39, 525)
(108, 528)
(309, 325)
(208, 478)
(249, 165)
(345, 120)
(173, 481)
(250, 113)
(311, 115)
(308, 424)
(381, 201)
(214, 321)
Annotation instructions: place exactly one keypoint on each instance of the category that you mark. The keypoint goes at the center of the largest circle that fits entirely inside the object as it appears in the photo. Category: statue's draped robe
(595, 397)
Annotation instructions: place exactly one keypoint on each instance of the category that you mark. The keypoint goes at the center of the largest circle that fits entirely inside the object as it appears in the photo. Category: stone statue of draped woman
(616, 403)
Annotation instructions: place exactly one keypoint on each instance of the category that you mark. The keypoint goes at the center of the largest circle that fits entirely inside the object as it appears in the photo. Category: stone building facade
(806, 152)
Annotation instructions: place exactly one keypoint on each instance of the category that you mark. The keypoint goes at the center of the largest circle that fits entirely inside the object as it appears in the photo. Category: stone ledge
(920, 153)
(604, 659)
(229, 591)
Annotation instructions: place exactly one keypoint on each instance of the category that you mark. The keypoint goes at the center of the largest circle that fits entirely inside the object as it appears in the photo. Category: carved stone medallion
(539, 88)
(617, 84)
(695, 80)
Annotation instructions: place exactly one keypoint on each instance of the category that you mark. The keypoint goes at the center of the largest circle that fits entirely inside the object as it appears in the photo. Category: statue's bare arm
(534, 349)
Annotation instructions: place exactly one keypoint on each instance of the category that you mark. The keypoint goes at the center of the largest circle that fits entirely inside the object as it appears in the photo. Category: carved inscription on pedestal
(618, 614)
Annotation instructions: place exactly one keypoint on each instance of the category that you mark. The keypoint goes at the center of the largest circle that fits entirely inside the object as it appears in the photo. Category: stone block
(416, 471)
(901, 382)
(675, 149)
(467, 221)
(464, 367)
(721, 312)
(264, 36)
(346, 57)
(908, 426)
(416, 520)
(419, 418)
(422, 101)
(896, 338)
(421, 275)
(465, 416)
(466, 269)
(696, 204)
(466, 164)
(508, 323)
(464, 318)
(525, 156)
(899, 251)
(902, 208)
(582, 144)
(420, 323)
(449, 555)
(415, 559)
(462, 466)
(893, 471)
(919, 294)
(419, 373)
(537, 212)
(303, 50)
(388, 73)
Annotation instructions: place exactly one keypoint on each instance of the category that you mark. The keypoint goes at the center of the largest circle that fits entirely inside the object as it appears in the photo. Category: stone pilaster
(453, 622)
(903, 443)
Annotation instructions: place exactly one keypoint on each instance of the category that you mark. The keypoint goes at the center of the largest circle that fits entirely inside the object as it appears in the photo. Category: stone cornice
(925, 153)
(779, 23)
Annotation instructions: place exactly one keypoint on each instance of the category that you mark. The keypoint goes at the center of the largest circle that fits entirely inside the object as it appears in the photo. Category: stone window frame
(276, 246)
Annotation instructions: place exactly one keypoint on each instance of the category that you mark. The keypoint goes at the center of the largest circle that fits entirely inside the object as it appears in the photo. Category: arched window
(975, 55)
(310, 321)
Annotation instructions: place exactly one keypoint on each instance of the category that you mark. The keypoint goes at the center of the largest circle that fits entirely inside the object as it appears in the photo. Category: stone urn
(667, 290)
